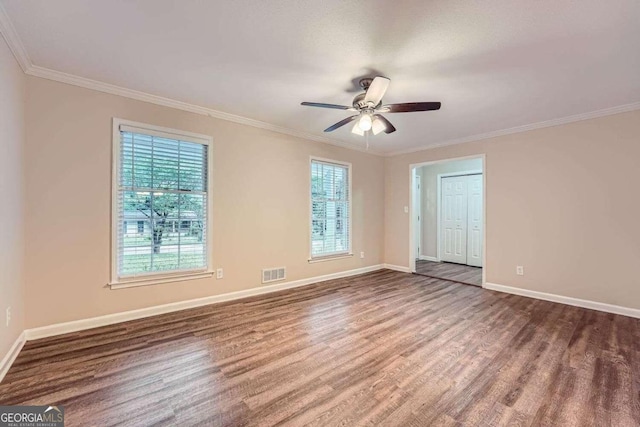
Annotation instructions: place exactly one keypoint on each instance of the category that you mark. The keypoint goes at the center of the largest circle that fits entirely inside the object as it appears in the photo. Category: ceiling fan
(369, 106)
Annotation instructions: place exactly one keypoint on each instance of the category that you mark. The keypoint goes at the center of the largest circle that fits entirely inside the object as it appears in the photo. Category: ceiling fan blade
(341, 123)
(322, 105)
(376, 90)
(389, 127)
(408, 107)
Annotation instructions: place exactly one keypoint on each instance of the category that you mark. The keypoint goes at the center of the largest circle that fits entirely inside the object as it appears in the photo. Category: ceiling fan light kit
(365, 121)
(369, 105)
(378, 126)
(356, 129)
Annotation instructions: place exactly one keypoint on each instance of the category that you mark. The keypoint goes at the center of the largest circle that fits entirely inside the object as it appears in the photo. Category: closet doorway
(461, 219)
(448, 240)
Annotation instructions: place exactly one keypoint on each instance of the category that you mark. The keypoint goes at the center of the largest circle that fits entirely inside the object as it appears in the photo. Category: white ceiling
(493, 64)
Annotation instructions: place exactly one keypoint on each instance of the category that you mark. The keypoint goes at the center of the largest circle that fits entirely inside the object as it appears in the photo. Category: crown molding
(71, 79)
(525, 128)
(17, 48)
(9, 33)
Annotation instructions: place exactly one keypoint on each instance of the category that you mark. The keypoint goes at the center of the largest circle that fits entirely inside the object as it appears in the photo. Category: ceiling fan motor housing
(358, 101)
(359, 104)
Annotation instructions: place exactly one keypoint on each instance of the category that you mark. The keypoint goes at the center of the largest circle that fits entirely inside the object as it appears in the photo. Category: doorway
(447, 226)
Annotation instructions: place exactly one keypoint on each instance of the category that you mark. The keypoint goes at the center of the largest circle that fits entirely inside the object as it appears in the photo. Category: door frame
(412, 189)
(439, 208)
(417, 217)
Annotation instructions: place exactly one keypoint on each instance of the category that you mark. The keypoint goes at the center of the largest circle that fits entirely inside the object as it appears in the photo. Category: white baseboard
(109, 319)
(10, 357)
(428, 258)
(400, 268)
(577, 302)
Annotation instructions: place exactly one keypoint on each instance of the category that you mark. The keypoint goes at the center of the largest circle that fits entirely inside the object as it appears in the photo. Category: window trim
(117, 282)
(334, 255)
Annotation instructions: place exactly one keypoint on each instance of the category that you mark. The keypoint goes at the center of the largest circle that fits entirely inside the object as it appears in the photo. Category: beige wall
(429, 199)
(260, 198)
(561, 201)
(12, 88)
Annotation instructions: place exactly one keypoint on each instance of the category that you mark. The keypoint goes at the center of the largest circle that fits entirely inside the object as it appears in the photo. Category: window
(330, 208)
(161, 179)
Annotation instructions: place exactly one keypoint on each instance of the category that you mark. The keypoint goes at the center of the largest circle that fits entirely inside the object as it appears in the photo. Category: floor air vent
(273, 274)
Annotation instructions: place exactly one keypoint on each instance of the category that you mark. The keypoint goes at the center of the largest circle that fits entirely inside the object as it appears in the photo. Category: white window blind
(161, 203)
(330, 209)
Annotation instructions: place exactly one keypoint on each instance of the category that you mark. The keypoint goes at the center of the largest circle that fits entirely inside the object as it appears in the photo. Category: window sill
(133, 283)
(328, 258)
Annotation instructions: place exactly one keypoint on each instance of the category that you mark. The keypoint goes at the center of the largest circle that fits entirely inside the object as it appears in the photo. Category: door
(416, 212)
(475, 231)
(453, 235)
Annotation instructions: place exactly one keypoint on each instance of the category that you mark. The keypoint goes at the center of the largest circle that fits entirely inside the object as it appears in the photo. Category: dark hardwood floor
(450, 271)
(384, 348)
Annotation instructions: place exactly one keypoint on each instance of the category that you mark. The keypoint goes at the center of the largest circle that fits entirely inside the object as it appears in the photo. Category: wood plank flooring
(384, 348)
(450, 271)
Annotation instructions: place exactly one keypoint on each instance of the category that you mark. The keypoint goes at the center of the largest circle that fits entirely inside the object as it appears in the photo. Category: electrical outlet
(520, 270)
(406, 209)
(8, 315)
(361, 254)
(219, 274)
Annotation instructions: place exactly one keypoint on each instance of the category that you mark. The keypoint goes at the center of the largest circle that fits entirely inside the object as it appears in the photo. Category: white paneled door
(474, 227)
(454, 220)
(461, 220)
